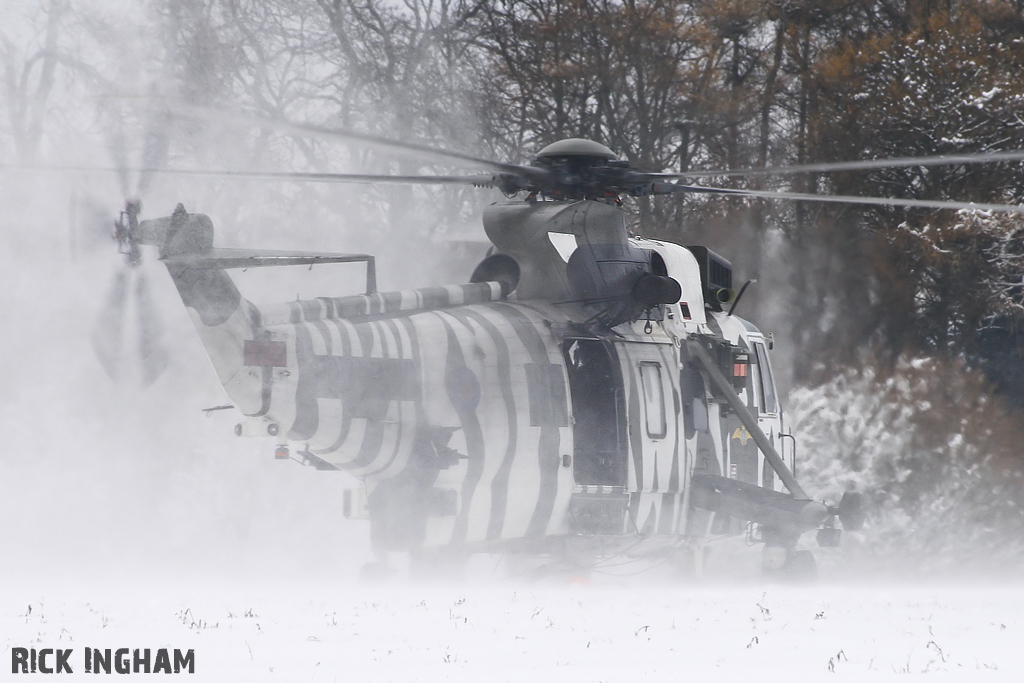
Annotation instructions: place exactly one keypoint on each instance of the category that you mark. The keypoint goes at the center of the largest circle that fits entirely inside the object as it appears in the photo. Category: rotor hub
(577, 147)
(584, 169)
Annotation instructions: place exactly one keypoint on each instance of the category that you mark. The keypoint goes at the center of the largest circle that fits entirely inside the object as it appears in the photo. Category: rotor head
(574, 148)
(126, 232)
(576, 168)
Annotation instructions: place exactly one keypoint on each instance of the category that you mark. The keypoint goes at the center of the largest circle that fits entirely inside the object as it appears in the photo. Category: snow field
(294, 631)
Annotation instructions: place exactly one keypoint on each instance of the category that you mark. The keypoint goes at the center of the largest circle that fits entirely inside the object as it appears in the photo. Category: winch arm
(748, 420)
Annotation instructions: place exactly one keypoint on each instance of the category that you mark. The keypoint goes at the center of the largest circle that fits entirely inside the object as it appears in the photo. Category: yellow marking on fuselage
(742, 435)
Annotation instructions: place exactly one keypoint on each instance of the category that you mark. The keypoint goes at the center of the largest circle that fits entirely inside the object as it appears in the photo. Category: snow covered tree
(934, 451)
(925, 81)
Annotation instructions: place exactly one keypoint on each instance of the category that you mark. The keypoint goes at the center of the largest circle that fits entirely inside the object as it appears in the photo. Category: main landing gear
(780, 564)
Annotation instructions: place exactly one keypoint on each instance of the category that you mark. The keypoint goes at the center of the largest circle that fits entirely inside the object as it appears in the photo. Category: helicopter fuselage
(476, 419)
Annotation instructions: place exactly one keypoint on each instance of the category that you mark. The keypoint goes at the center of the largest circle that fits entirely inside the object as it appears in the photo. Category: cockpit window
(769, 404)
(754, 392)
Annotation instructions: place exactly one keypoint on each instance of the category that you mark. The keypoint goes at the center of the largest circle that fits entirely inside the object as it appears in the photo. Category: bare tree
(30, 71)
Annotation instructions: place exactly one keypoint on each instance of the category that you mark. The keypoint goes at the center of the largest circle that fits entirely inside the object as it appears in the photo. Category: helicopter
(586, 391)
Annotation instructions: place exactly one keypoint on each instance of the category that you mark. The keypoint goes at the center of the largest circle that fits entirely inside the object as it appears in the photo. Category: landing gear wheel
(851, 511)
(373, 572)
(801, 567)
(438, 565)
(773, 559)
(782, 565)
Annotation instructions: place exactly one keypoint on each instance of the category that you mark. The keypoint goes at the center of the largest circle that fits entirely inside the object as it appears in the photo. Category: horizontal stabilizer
(219, 259)
(254, 258)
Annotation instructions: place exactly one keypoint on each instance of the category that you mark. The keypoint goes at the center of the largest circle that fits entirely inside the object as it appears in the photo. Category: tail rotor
(128, 311)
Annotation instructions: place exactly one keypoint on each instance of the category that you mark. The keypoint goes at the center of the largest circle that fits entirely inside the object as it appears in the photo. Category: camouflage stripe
(677, 480)
(307, 413)
(665, 516)
(409, 301)
(650, 521)
(328, 303)
(433, 297)
(415, 352)
(343, 329)
(673, 378)
(472, 431)
(365, 335)
(548, 458)
(633, 428)
(373, 431)
(266, 372)
(392, 328)
(311, 310)
(368, 379)
(390, 301)
(673, 477)
(500, 482)
(321, 325)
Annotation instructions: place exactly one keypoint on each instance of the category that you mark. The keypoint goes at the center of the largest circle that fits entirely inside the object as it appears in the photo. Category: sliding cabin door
(598, 408)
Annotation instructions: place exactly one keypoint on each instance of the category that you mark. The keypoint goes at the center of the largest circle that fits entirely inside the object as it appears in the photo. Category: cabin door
(599, 430)
(650, 372)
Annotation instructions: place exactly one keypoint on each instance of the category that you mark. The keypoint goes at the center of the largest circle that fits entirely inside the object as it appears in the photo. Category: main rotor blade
(474, 180)
(661, 188)
(308, 130)
(941, 160)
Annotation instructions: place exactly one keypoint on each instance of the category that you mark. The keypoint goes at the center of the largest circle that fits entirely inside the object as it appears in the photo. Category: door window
(654, 399)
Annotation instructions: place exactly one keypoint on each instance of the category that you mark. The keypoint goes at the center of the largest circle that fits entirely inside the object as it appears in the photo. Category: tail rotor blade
(156, 148)
(106, 337)
(120, 154)
(151, 349)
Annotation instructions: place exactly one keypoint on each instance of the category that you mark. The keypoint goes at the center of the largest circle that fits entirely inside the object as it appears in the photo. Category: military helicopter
(585, 392)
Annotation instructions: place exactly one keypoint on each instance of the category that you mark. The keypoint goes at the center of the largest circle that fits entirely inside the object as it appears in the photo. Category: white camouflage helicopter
(586, 392)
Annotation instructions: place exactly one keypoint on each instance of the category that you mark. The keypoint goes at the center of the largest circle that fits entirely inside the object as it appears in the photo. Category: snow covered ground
(292, 630)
